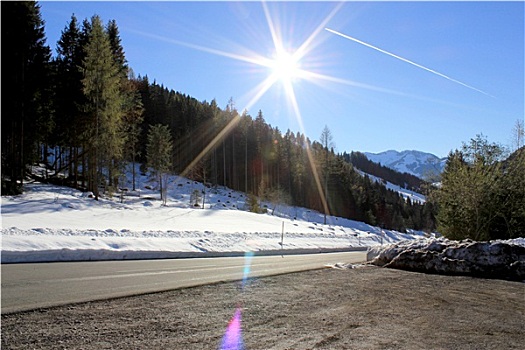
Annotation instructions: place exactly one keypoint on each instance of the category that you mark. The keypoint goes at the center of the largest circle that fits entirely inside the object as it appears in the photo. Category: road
(31, 286)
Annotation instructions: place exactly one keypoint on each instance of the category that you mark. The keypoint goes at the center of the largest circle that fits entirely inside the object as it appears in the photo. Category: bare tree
(327, 143)
(518, 134)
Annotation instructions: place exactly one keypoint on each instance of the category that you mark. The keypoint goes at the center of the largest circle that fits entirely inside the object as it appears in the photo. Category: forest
(87, 107)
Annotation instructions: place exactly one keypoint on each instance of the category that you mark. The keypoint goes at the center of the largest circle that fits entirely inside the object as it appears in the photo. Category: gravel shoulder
(365, 308)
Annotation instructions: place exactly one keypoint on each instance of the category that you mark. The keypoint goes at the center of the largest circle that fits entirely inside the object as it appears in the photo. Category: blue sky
(371, 101)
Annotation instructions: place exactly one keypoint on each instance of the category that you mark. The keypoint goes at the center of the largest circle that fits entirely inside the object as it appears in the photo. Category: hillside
(56, 223)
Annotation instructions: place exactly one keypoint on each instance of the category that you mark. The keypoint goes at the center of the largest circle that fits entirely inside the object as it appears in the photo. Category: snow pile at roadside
(54, 223)
(495, 259)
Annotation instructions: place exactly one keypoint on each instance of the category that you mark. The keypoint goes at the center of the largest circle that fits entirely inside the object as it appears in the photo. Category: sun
(285, 66)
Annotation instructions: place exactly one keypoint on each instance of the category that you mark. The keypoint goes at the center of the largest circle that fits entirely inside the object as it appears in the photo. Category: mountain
(417, 163)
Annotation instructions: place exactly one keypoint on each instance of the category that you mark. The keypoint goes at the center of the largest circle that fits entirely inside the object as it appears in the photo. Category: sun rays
(284, 67)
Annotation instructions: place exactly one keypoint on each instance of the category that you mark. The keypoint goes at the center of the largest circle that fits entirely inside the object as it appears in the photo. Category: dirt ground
(365, 308)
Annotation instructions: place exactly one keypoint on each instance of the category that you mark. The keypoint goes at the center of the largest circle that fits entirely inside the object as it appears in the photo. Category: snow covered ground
(54, 223)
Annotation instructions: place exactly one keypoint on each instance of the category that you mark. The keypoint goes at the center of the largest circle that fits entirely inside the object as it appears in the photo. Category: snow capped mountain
(417, 163)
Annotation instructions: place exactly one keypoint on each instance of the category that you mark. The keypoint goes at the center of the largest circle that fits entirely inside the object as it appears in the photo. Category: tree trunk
(246, 165)
(233, 165)
(84, 168)
(75, 166)
(224, 163)
(133, 167)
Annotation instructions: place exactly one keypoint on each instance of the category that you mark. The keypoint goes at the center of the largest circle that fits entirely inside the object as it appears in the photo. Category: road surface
(31, 286)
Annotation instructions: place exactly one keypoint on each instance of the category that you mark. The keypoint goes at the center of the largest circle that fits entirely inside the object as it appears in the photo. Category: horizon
(371, 101)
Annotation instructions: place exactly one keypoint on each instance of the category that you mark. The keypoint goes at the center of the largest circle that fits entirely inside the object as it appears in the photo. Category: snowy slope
(417, 163)
(414, 196)
(53, 223)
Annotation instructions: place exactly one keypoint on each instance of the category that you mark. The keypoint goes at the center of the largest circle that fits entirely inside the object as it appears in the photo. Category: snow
(412, 162)
(54, 223)
(502, 259)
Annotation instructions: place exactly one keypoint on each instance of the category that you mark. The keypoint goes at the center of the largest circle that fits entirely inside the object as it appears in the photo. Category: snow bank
(44, 244)
(494, 259)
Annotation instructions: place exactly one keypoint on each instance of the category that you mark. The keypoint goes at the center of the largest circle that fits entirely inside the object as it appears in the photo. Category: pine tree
(69, 82)
(131, 104)
(260, 180)
(132, 107)
(132, 120)
(69, 94)
(26, 112)
(102, 84)
(159, 155)
(116, 48)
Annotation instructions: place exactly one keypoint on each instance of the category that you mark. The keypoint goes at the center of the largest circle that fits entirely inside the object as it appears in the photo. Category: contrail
(407, 61)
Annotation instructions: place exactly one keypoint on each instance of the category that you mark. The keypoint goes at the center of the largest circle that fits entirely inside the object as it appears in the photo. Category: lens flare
(232, 339)
(247, 267)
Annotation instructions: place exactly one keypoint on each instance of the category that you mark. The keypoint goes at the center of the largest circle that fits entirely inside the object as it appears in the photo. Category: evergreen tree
(159, 155)
(260, 128)
(116, 48)
(26, 110)
(510, 220)
(70, 98)
(132, 120)
(467, 198)
(299, 161)
(69, 82)
(102, 83)
(131, 104)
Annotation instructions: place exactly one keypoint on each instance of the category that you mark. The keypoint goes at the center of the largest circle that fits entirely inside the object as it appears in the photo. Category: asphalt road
(32, 286)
